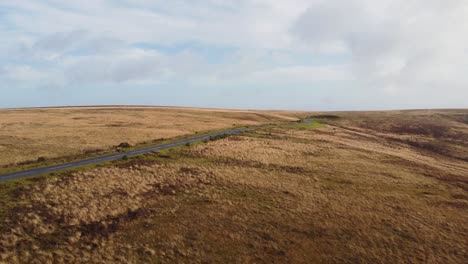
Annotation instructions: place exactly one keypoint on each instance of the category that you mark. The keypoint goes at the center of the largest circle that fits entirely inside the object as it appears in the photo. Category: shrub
(218, 137)
(124, 145)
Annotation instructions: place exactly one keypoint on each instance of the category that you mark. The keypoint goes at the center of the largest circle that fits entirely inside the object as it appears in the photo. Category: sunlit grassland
(344, 191)
(38, 135)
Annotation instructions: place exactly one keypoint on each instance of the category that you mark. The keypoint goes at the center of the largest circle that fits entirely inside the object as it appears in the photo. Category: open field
(30, 134)
(354, 187)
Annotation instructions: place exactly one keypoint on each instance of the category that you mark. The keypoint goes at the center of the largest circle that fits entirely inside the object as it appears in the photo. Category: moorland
(321, 187)
(27, 135)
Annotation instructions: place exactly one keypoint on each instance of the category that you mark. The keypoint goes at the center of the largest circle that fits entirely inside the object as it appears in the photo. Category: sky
(257, 54)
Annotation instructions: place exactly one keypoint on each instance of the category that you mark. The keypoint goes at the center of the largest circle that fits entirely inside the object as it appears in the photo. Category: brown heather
(76, 206)
(348, 192)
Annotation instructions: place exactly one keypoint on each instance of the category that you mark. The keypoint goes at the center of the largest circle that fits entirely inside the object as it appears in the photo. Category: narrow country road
(74, 164)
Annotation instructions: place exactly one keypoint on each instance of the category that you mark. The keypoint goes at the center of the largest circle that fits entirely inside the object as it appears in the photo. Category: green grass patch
(308, 125)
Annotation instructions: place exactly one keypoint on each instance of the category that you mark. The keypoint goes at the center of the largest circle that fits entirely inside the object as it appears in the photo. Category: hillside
(342, 187)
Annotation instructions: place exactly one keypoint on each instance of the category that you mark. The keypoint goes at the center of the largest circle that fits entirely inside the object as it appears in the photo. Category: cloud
(304, 74)
(21, 73)
(395, 45)
(59, 42)
(136, 65)
(244, 23)
(355, 50)
(69, 43)
(121, 66)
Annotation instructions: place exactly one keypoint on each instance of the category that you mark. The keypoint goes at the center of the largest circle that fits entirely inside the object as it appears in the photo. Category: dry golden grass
(27, 134)
(337, 194)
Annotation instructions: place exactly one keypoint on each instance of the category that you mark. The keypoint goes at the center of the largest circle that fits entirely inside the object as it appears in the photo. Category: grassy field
(46, 133)
(344, 187)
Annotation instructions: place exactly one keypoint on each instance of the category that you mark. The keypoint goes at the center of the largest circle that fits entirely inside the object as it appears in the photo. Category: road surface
(74, 164)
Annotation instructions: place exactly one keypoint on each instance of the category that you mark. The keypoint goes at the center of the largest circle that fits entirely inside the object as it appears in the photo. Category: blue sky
(257, 54)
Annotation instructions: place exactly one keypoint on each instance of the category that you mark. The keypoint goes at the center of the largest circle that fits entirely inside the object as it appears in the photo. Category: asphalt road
(35, 172)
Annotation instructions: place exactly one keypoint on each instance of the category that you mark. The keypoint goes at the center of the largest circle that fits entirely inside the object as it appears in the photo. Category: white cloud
(402, 48)
(120, 66)
(405, 45)
(21, 73)
(304, 74)
(258, 23)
